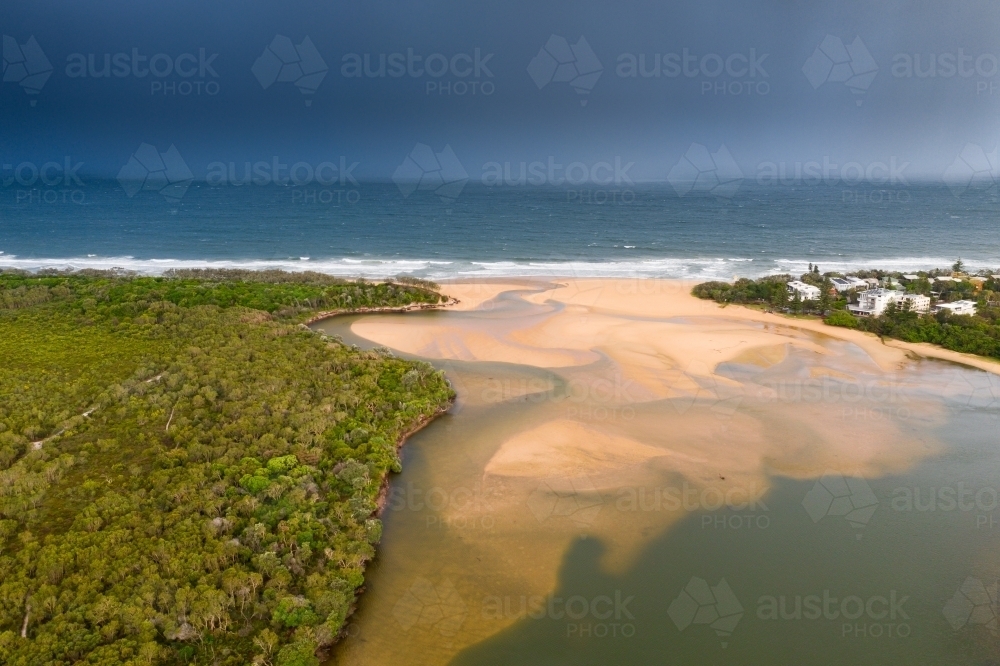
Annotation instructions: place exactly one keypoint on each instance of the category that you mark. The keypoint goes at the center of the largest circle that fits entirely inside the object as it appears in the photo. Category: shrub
(294, 612)
(842, 318)
(281, 464)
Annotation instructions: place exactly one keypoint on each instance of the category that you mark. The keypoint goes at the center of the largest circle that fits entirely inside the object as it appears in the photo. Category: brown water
(694, 529)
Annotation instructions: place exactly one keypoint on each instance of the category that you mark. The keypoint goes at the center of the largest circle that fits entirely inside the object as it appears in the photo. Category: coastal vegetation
(187, 474)
(770, 290)
(974, 334)
(971, 334)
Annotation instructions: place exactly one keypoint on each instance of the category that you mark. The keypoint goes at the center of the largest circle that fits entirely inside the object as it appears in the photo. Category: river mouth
(794, 502)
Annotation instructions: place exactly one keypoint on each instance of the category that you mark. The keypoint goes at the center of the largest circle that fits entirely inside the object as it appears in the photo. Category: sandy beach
(584, 403)
(661, 342)
(592, 305)
(633, 344)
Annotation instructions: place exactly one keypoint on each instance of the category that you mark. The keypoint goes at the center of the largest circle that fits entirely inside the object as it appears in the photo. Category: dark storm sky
(502, 115)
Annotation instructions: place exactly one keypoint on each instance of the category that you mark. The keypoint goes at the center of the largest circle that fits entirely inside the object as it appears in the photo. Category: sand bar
(631, 343)
(619, 392)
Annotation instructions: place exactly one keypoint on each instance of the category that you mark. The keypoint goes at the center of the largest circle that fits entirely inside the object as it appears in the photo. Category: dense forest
(976, 334)
(971, 334)
(188, 474)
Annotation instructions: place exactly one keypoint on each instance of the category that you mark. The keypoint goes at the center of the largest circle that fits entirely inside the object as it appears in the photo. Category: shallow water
(740, 555)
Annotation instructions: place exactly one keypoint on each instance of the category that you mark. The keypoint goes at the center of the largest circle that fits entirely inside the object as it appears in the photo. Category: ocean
(372, 230)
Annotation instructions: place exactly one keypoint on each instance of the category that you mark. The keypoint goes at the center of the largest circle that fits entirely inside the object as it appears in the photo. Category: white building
(957, 307)
(917, 302)
(874, 302)
(848, 283)
(806, 292)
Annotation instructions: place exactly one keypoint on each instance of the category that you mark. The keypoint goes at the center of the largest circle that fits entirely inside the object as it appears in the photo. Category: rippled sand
(575, 398)
(658, 342)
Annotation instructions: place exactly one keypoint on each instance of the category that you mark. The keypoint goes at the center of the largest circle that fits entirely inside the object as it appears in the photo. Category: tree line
(973, 334)
(187, 475)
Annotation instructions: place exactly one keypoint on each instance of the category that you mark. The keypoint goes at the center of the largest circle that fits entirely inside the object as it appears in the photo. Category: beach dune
(659, 345)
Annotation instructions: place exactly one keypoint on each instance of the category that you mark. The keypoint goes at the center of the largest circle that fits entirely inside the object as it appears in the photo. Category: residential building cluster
(848, 283)
(806, 292)
(873, 302)
(957, 307)
(875, 296)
